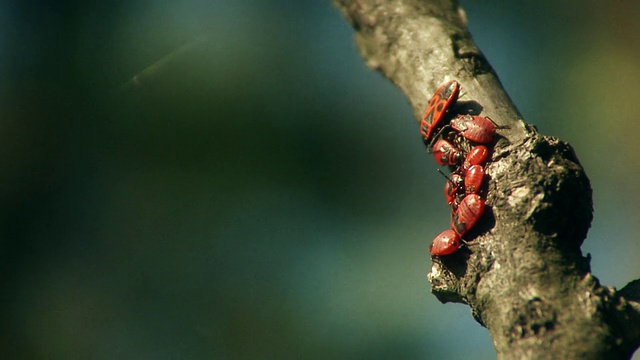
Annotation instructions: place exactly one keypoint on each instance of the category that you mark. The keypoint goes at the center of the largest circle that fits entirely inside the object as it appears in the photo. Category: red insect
(446, 243)
(479, 129)
(476, 156)
(473, 179)
(445, 153)
(445, 96)
(468, 213)
(453, 188)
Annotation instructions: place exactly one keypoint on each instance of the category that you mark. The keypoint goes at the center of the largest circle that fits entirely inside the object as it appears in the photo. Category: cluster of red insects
(459, 142)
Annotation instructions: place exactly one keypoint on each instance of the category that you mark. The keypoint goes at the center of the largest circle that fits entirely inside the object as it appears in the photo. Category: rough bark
(523, 274)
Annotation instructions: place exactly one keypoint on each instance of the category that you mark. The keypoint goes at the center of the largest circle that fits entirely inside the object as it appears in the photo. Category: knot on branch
(540, 185)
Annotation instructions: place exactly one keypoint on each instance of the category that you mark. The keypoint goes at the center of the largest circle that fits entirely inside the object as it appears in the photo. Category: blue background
(263, 195)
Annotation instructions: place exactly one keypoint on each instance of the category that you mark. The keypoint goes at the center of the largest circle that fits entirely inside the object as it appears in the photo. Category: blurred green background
(264, 195)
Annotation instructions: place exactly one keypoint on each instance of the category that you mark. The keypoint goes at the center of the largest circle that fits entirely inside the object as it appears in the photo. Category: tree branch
(523, 273)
